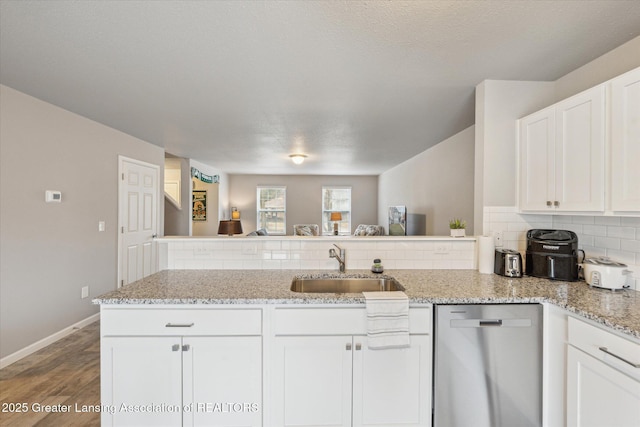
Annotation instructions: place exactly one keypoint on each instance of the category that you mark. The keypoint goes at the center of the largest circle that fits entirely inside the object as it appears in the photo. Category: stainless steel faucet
(341, 258)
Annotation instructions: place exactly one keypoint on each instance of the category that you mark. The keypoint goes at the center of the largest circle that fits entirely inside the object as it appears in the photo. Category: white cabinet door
(392, 387)
(142, 379)
(536, 138)
(562, 155)
(599, 395)
(625, 142)
(580, 151)
(222, 381)
(554, 366)
(312, 381)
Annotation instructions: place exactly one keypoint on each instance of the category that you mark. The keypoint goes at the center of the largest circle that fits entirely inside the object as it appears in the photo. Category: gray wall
(176, 221)
(498, 105)
(49, 251)
(437, 183)
(613, 63)
(304, 197)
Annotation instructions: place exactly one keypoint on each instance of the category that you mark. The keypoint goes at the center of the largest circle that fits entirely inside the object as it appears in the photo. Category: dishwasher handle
(497, 322)
(484, 323)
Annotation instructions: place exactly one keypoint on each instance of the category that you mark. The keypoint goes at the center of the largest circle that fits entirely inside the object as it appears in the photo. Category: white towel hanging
(387, 319)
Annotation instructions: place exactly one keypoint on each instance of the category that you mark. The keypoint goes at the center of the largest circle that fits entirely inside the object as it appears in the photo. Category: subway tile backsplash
(615, 237)
(313, 253)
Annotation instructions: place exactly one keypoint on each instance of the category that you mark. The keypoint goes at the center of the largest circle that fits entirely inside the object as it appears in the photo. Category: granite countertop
(619, 310)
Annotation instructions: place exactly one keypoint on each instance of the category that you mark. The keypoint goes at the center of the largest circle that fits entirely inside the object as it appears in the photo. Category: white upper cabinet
(537, 141)
(562, 155)
(582, 155)
(625, 142)
(580, 152)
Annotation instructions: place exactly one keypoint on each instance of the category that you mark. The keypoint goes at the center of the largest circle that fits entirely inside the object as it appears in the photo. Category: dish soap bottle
(377, 266)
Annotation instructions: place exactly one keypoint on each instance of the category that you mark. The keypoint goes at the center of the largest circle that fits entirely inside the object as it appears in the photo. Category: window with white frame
(272, 209)
(336, 200)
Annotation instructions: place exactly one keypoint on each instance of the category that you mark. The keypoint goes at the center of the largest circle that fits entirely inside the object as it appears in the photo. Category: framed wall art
(397, 221)
(199, 205)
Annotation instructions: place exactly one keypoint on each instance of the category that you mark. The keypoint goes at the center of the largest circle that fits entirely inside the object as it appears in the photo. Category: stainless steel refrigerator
(488, 365)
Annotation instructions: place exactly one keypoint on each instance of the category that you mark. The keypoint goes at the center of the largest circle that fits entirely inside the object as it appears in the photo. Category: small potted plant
(457, 227)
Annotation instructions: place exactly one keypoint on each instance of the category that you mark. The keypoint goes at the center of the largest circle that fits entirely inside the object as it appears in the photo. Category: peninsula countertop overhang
(619, 310)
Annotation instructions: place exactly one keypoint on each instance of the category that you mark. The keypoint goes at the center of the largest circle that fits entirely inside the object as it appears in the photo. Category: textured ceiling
(358, 86)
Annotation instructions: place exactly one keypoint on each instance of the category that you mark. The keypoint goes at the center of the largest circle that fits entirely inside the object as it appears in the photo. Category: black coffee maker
(552, 254)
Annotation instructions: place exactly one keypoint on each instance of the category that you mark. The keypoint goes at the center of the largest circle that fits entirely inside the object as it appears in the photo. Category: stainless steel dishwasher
(488, 365)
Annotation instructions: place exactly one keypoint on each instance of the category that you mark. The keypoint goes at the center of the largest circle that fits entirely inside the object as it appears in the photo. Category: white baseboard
(30, 349)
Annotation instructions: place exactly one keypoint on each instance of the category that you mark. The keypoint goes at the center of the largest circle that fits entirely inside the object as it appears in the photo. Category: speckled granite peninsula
(619, 310)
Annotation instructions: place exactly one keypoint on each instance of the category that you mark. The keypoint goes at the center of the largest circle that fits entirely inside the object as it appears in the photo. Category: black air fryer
(552, 254)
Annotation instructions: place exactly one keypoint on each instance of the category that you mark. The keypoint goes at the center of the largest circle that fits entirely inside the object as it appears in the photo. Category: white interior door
(138, 217)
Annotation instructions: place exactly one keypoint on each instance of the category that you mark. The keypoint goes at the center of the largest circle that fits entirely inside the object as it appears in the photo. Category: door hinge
(123, 176)
(121, 230)
(122, 282)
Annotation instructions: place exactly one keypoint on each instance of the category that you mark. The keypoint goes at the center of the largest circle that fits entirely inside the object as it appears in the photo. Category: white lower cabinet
(602, 389)
(392, 387)
(327, 379)
(599, 395)
(554, 366)
(174, 378)
(142, 381)
(312, 381)
(222, 381)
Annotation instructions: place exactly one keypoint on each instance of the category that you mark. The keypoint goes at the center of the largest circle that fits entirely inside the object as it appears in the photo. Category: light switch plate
(52, 196)
(101, 226)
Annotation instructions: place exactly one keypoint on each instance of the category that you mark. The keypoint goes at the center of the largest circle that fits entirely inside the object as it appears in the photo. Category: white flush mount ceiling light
(297, 158)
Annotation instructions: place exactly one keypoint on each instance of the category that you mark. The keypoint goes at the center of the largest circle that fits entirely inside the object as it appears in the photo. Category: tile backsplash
(615, 237)
(312, 253)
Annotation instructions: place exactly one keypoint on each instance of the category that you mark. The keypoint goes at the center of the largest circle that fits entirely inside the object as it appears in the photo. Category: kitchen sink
(344, 285)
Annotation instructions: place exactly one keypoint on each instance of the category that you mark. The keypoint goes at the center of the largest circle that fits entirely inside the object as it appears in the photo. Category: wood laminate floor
(63, 374)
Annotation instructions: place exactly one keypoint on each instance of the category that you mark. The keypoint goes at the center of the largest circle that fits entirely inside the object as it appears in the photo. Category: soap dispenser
(377, 266)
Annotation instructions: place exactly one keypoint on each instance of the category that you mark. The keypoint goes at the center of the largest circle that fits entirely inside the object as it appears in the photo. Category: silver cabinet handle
(606, 350)
(348, 347)
(186, 347)
(358, 346)
(556, 203)
(179, 325)
(549, 203)
(175, 347)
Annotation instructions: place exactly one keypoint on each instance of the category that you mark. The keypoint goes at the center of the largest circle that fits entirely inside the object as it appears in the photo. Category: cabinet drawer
(605, 346)
(339, 321)
(180, 321)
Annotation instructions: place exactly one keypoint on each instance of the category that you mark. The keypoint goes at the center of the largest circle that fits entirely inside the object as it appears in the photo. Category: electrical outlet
(101, 226)
(497, 237)
(249, 249)
(84, 293)
(442, 249)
